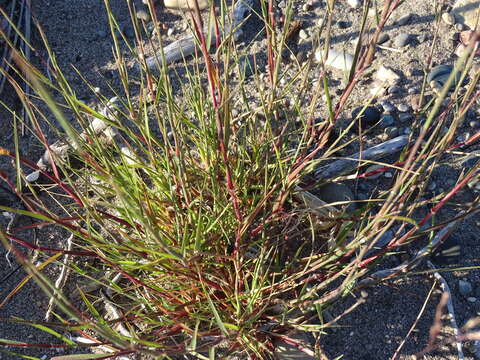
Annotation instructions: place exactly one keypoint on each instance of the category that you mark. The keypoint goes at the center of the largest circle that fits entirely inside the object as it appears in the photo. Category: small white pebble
(472, 299)
(303, 34)
(448, 18)
(32, 177)
(170, 31)
(388, 175)
(354, 3)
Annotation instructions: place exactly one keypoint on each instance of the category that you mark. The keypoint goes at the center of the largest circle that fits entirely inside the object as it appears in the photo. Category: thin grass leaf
(27, 278)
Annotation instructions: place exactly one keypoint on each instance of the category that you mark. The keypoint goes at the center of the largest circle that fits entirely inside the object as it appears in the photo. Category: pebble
(306, 7)
(401, 40)
(404, 117)
(386, 74)
(185, 4)
(383, 38)
(472, 299)
(411, 91)
(393, 90)
(459, 27)
(403, 107)
(464, 287)
(474, 124)
(404, 19)
(388, 175)
(337, 59)
(387, 120)
(387, 107)
(441, 73)
(303, 34)
(170, 31)
(448, 18)
(336, 192)
(407, 131)
(370, 116)
(391, 132)
(143, 15)
(432, 186)
(354, 3)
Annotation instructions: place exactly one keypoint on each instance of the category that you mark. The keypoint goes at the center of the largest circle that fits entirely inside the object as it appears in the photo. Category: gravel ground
(79, 34)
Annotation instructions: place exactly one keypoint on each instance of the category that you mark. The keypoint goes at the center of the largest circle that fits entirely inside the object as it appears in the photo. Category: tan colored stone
(465, 12)
(186, 4)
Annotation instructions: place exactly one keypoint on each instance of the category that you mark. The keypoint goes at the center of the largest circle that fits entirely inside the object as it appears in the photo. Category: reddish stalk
(270, 30)
(31, 246)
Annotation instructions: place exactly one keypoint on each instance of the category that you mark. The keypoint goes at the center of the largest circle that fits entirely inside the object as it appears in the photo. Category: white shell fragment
(32, 177)
(386, 74)
(340, 60)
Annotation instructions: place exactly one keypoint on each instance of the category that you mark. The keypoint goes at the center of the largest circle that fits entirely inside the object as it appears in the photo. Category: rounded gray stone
(383, 38)
(143, 15)
(464, 287)
(401, 40)
(388, 107)
(441, 73)
(391, 132)
(404, 19)
(386, 120)
(337, 192)
(394, 90)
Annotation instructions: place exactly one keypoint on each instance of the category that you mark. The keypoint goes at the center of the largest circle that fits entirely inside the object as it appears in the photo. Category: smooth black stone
(370, 116)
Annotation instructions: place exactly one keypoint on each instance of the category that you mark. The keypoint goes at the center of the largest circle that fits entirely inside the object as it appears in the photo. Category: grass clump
(190, 209)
